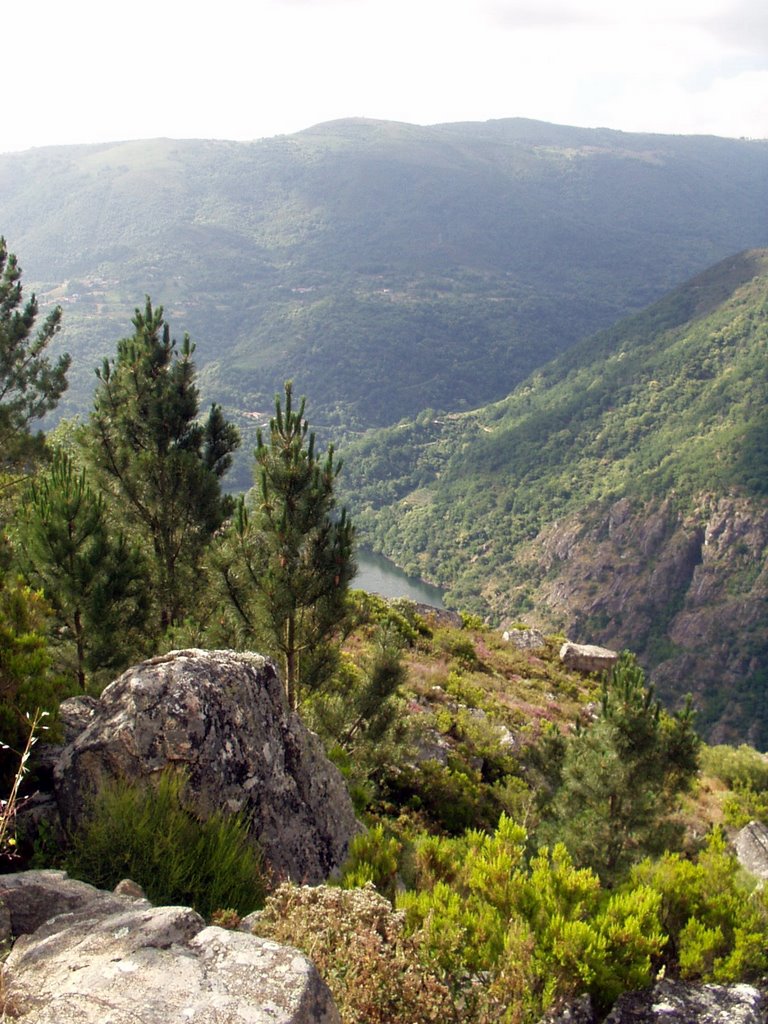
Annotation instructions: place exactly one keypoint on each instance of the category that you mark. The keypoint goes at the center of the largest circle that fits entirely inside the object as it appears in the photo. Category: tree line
(118, 539)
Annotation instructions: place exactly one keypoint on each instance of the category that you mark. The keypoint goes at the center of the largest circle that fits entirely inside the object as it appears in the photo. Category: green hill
(384, 267)
(618, 495)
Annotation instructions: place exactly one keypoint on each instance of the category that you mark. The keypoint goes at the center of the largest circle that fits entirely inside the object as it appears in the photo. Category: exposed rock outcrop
(112, 958)
(222, 717)
(685, 590)
(752, 848)
(675, 1002)
(525, 639)
(438, 616)
(587, 657)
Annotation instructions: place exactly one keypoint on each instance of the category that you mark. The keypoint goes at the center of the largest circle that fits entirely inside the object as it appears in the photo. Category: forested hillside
(617, 495)
(385, 267)
(546, 833)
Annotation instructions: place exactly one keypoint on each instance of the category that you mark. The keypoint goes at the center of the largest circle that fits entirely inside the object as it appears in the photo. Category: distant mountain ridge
(385, 267)
(621, 495)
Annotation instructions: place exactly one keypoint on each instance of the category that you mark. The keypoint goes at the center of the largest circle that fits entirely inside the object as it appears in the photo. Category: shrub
(716, 924)
(471, 621)
(146, 833)
(462, 649)
(737, 767)
(745, 805)
(373, 857)
(513, 938)
(398, 616)
(359, 946)
(452, 796)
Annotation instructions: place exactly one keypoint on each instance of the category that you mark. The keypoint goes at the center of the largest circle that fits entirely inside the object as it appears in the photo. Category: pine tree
(93, 578)
(292, 552)
(622, 775)
(161, 466)
(30, 384)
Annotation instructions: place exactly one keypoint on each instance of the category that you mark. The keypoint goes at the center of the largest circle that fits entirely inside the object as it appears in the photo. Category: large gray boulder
(223, 719)
(28, 899)
(587, 657)
(117, 959)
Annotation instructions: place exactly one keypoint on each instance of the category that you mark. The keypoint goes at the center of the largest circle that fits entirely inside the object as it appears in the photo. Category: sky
(107, 70)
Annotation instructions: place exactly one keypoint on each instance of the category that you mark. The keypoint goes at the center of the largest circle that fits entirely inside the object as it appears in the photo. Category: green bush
(373, 857)
(745, 805)
(535, 933)
(745, 771)
(398, 616)
(737, 767)
(715, 919)
(452, 796)
(144, 832)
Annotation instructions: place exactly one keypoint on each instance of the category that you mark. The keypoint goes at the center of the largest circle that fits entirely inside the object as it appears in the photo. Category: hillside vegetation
(544, 832)
(619, 494)
(385, 267)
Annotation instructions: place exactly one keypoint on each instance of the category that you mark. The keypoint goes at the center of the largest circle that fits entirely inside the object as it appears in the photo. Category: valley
(492, 323)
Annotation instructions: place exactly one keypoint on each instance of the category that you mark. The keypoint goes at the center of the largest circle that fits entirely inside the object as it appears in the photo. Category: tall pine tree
(288, 561)
(162, 466)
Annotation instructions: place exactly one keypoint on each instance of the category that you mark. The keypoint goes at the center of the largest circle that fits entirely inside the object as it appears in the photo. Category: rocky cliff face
(686, 590)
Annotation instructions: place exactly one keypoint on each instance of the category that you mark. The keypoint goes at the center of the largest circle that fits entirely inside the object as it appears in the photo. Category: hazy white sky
(99, 70)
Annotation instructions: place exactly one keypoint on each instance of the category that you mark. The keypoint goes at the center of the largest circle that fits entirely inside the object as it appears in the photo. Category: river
(378, 575)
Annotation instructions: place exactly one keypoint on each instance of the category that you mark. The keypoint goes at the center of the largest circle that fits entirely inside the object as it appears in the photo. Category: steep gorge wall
(686, 590)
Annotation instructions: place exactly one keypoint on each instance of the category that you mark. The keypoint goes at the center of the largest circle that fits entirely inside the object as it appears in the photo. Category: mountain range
(384, 267)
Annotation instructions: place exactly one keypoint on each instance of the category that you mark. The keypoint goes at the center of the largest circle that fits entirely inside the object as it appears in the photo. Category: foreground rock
(30, 898)
(221, 717)
(675, 1002)
(587, 657)
(117, 959)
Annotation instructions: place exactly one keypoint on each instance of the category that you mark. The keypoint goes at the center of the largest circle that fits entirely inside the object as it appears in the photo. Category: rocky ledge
(92, 956)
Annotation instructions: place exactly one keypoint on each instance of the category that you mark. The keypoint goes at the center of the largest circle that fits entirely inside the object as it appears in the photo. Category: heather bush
(738, 767)
(744, 805)
(358, 944)
(745, 771)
